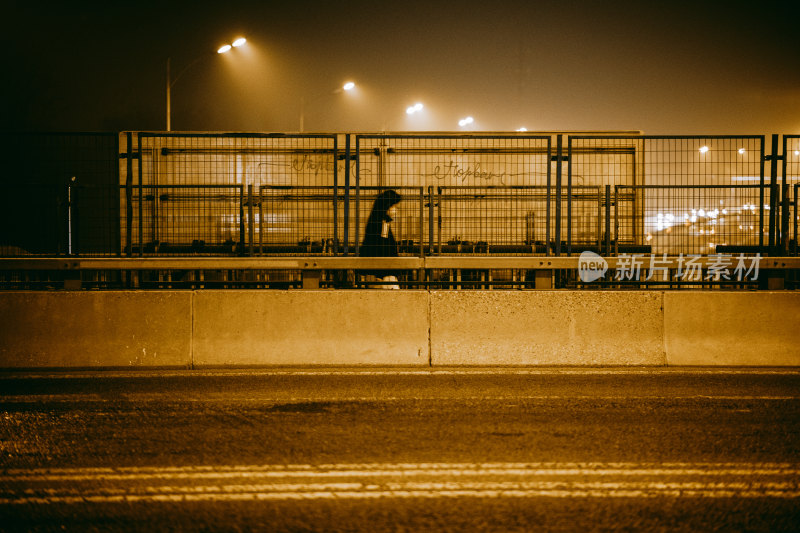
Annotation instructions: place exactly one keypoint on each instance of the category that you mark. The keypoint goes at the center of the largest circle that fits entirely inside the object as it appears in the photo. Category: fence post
(557, 158)
(785, 203)
(347, 195)
(335, 243)
(773, 192)
(129, 196)
(569, 192)
(241, 221)
(616, 219)
(250, 222)
(608, 219)
(141, 208)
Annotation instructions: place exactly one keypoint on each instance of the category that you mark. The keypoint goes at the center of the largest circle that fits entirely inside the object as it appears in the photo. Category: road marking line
(423, 494)
(401, 470)
(403, 372)
(352, 399)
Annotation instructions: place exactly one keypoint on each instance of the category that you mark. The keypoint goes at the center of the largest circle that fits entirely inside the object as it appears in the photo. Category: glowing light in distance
(239, 42)
(349, 86)
(742, 151)
(703, 149)
(466, 121)
(414, 108)
(223, 49)
(797, 152)
(523, 129)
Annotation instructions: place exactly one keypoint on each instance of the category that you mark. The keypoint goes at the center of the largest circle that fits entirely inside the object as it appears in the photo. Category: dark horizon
(679, 68)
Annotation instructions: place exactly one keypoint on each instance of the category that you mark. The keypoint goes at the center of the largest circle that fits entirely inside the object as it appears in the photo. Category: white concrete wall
(380, 327)
(95, 329)
(732, 328)
(373, 327)
(547, 328)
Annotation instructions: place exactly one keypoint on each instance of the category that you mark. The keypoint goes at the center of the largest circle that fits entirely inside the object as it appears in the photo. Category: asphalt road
(401, 450)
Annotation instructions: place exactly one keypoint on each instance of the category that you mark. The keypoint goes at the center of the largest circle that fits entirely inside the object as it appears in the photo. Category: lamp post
(347, 87)
(170, 82)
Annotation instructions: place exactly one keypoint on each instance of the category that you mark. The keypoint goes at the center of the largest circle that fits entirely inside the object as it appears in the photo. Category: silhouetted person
(378, 238)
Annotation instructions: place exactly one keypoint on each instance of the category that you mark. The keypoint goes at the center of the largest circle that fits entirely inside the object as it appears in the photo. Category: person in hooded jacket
(378, 238)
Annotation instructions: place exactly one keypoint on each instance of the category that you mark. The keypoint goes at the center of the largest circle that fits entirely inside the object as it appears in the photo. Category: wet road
(401, 450)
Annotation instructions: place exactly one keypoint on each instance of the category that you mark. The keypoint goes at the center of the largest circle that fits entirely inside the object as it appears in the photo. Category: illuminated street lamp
(416, 108)
(347, 87)
(170, 81)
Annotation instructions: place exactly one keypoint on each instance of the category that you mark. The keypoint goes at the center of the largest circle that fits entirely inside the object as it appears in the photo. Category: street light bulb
(349, 86)
(224, 49)
(239, 42)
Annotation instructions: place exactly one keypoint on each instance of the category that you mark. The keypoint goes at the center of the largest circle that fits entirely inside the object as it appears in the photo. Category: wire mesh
(58, 194)
(677, 194)
(483, 192)
(223, 194)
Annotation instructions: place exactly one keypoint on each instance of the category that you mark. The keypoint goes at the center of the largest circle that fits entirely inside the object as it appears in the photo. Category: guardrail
(588, 271)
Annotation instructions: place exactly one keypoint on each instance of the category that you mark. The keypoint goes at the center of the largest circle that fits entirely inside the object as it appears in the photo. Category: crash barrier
(586, 271)
(156, 194)
(193, 329)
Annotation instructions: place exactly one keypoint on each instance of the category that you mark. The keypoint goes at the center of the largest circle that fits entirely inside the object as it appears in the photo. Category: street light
(347, 87)
(170, 82)
(416, 108)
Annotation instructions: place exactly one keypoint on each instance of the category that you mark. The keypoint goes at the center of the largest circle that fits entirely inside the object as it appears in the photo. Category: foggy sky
(714, 67)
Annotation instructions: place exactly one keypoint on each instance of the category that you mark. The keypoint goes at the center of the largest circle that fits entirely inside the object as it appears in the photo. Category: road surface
(452, 449)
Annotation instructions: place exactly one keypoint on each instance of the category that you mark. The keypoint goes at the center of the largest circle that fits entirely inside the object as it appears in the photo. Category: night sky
(695, 67)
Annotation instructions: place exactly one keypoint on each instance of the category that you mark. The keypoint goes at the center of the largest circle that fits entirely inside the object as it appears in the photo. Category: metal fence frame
(427, 144)
(206, 144)
(777, 227)
(634, 145)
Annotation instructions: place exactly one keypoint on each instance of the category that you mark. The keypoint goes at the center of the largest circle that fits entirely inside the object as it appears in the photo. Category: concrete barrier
(380, 327)
(547, 328)
(373, 327)
(95, 329)
(732, 328)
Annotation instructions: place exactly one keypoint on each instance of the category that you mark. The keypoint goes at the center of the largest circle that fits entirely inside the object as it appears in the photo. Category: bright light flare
(239, 42)
(522, 129)
(414, 108)
(349, 86)
(466, 121)
(703, 149)
(223, 49)
(742, 151)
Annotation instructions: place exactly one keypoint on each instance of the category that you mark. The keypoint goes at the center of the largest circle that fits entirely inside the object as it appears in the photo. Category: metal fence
(694, 195)
(791, 192)
(483, 193)
(58, 194)
(174, 194)
(226, 194)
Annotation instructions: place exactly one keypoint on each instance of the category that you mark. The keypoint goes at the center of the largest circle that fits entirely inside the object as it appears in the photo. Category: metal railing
(464, 196)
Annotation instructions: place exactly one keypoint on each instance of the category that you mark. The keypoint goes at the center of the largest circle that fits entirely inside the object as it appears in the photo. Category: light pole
(170, 82)
(347, 87)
